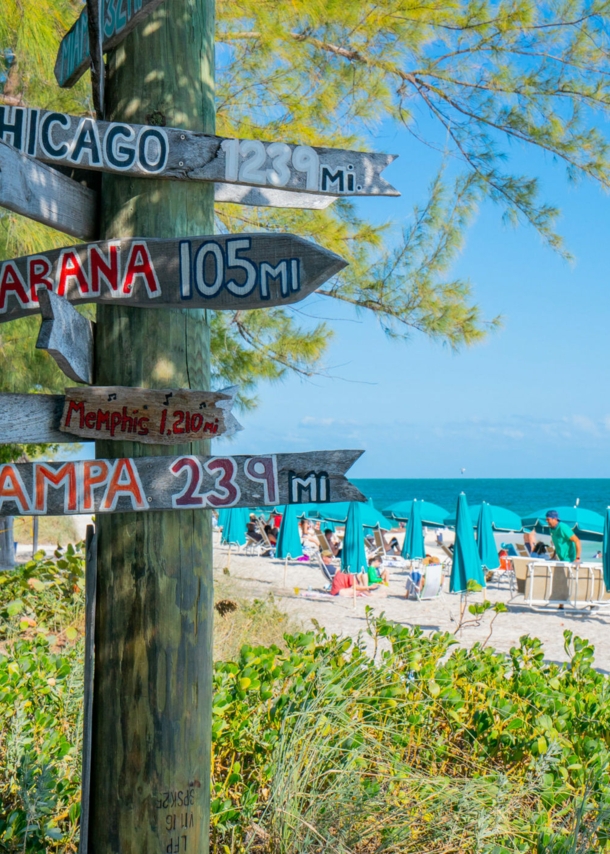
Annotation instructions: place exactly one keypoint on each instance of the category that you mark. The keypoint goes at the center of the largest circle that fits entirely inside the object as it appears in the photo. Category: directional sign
(175, 483)
(151, 416)
(31, 189)
(182, 155)
(66, 335)
(37, 418)
(220, 272)
(120, 18)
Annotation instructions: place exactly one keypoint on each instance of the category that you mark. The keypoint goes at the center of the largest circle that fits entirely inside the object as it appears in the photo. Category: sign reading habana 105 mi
(181, 155)
(175, 483)
(220, 272)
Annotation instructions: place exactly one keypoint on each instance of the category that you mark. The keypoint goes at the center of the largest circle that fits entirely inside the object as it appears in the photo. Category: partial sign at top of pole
(182, 155)
(119, 19)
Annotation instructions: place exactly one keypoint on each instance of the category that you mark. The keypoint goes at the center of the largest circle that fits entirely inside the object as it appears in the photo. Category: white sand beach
(254, 577)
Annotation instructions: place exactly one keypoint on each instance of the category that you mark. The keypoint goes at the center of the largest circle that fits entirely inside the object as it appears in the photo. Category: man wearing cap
(565, 543)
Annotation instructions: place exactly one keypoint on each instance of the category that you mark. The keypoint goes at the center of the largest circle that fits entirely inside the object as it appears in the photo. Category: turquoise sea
(521, 495)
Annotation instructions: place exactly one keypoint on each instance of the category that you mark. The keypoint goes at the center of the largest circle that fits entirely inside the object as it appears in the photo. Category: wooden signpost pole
(153, 676)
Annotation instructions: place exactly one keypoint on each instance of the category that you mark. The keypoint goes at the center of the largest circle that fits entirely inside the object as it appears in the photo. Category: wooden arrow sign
(120, 18)
(87, 413)
(66, 335)
(175, 483)
(151, 416)
(182, 155)
(31, 189)
(220, 272)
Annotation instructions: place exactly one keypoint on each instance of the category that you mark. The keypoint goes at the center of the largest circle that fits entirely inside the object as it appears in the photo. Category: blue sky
(529, 402)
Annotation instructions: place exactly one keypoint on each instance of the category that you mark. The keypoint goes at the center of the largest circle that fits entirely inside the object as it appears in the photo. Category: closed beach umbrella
(289, 541)
(431, 514)
(466, 561)
(413, 547)
(606, 550)
(501, 518)
(485, 539)
(353, 555)
(222, 517)
(234, 528)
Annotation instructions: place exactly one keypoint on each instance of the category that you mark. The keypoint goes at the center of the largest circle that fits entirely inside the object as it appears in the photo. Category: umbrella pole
(354, 589)
(229, 560)
(285, 570)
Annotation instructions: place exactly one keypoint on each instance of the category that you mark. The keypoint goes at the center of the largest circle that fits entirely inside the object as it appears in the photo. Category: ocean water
(520, 495)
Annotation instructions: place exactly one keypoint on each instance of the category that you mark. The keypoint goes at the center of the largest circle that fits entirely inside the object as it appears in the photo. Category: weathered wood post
(152, 700)
(7, 548)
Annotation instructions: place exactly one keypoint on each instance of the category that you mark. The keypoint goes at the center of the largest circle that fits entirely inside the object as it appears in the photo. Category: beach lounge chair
(521, 550)
(433, 583)
(600, 596)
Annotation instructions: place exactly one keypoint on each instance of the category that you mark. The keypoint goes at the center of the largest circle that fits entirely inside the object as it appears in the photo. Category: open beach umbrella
(431, 514)
(289, 541)
(606, 550)
(466, 561)
(335, 512)
(486, 544)
(502, 519)
(234, 528)
(373, 518)
(413, 547)
(353, 555)
(586, 524)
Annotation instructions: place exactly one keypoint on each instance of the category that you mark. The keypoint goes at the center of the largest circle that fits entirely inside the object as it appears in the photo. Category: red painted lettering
(90, 420)
(95, 473)
(264, 470)
(12, 283)
(64, 476)
(70, 267)
(12, 488)
(228, 488)
(124, 480)
(75, 407)
(39, 270)
(104, 268)
(140, 264)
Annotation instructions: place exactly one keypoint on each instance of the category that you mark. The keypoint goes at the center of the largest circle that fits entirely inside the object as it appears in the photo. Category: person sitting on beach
(327, 560)
(529, 541)
(565, 543)
(272, 534)
(252, 529)
(344, 582)
(333, 541)
(375, 574)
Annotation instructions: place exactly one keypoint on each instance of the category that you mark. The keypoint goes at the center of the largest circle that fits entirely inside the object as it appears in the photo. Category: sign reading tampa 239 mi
(220, 272)
(182, 155)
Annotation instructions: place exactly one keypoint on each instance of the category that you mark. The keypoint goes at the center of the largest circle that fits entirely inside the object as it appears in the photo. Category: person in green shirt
(565, 543)
(376, 575)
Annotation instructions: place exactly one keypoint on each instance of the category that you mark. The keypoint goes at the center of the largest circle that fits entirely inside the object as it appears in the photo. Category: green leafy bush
(318, 746)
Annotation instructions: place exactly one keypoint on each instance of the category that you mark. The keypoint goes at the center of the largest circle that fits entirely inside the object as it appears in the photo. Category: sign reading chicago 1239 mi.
(175, 483)
(219, 272)
(182, 155)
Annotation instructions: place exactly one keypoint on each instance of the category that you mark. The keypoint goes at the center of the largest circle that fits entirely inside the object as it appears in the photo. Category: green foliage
(318, 746)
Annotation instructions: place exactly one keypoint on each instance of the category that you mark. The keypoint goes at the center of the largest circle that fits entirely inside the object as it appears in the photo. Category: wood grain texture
(66, 335)
(126, 148)
(149, 416)
(222, 272)
(90, 596)
(74, 56)
(176, 483)
(267, 197)
(95, 15)
(31, 189)
(32, 419)
(155, 585)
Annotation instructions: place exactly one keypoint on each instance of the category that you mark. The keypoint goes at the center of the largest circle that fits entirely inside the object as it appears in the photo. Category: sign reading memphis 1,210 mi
(181, 155)
(219, 272)
(175, 483)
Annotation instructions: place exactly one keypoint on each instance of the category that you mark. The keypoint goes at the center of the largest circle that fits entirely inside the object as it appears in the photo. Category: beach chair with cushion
(519, 577)
(600, 596)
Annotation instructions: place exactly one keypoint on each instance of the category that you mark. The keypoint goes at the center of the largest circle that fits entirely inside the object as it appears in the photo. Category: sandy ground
(256, 577)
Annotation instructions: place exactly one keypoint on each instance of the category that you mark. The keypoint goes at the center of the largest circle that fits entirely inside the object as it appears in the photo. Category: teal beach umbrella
(289, 541)
(373, 518)
(466, 561)
(222, 517)
(586, 524)
(413, 547)
(234, 528)
(431, 514)
(485, 539)
(353, 555)
(606, 550)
